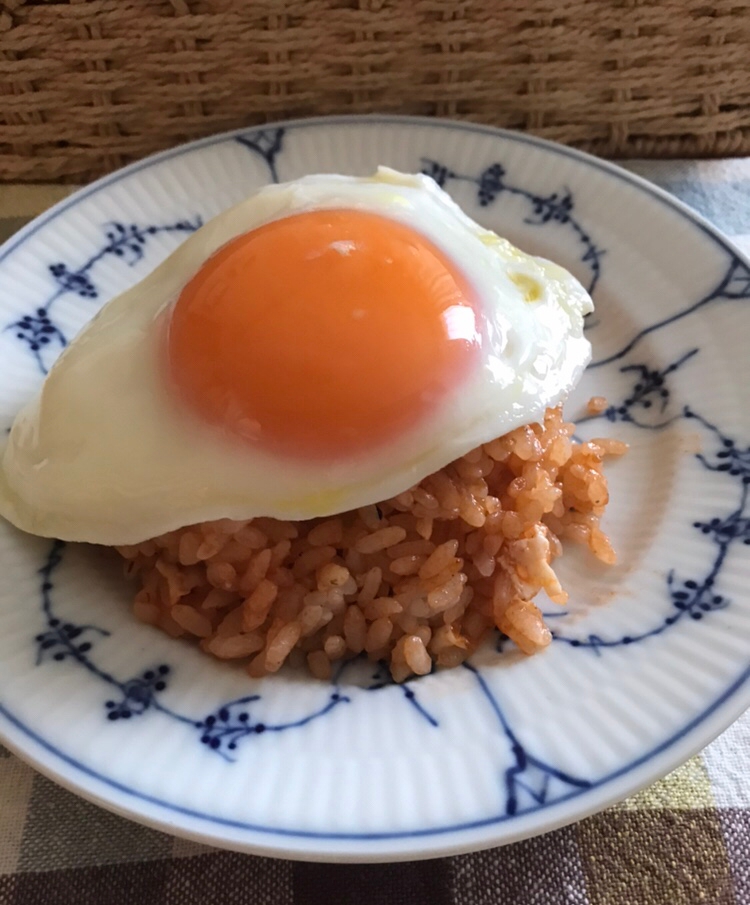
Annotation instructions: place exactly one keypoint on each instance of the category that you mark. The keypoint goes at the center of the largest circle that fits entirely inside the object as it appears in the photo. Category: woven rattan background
(87, 85)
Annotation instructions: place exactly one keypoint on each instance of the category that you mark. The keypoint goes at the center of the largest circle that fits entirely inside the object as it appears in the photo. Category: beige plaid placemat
(684, 841)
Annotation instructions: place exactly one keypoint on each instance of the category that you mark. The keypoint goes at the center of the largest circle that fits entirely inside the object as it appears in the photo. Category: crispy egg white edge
(91, 458)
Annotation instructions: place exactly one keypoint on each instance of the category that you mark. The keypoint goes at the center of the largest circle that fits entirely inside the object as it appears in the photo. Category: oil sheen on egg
(323, 345)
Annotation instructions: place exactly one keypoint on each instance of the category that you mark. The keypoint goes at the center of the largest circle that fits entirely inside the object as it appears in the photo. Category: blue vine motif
(37, 331)
(267, 144)
(649, 395)
(61, 640)
(232, 722)
(382, 678)
(220, 731)
(693, 597)
(733, 286)
(138, 694)
(123, 240)
(528, 777)
(557, 207)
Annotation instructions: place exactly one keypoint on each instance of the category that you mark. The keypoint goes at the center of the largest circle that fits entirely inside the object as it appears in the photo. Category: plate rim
(344, 119)
(531, 824)
(621, 783)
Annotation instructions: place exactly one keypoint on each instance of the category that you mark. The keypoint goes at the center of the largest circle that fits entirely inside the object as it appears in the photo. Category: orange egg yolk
(323, 334)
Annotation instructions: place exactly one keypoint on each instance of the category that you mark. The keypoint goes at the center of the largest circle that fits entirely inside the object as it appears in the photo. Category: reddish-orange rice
(417, 581)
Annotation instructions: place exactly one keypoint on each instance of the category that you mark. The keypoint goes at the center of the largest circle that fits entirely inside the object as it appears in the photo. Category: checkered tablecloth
(684, 841)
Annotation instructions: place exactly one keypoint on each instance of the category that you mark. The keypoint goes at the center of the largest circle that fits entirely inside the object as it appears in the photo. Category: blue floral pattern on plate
(529, 776)
(127, 241)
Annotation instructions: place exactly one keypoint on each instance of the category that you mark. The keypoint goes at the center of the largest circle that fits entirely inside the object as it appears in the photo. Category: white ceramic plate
(649, 662)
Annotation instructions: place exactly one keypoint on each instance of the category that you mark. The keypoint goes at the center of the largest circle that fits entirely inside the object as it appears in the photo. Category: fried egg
(323, 345)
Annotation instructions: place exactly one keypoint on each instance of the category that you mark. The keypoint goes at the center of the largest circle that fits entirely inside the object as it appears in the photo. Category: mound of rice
(417, 581)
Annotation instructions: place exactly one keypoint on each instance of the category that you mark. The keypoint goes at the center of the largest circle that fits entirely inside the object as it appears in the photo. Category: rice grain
(417, 580)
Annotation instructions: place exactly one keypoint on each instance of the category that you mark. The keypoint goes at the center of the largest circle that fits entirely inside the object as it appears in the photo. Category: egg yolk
(323, 334)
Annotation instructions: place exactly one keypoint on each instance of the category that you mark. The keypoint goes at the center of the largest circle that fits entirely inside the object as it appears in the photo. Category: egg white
(104, 454)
